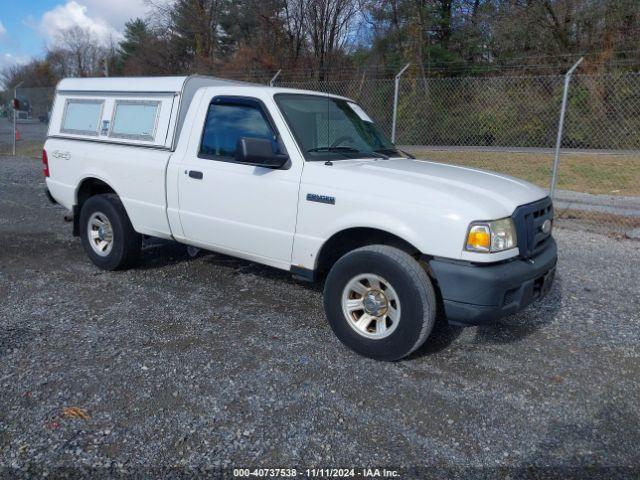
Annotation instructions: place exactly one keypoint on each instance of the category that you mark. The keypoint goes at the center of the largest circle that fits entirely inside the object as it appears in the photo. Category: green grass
(29, 149)
(590, 173)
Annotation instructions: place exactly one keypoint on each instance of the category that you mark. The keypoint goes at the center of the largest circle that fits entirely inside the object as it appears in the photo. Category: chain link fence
(510, 124)
(31, 121)
(504, 124)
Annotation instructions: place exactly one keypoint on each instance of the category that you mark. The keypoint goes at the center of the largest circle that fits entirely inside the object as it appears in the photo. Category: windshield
(332, 129)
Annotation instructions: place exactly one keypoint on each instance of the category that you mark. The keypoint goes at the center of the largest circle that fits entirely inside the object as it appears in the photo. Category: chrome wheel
(371, 306)
(100, 233)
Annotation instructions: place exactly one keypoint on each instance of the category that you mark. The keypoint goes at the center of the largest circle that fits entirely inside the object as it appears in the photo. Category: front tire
(380, 302)
(106, 233)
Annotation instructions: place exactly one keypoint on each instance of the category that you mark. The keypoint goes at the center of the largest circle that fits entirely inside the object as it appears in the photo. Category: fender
(76, 207)
(307, 248)
(378, 221)
(90, 176)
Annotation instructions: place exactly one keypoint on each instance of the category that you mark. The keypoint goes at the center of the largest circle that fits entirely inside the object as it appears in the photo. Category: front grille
(528, 220)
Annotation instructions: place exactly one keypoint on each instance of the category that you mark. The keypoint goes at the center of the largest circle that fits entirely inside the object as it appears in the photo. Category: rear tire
(391, 287)
(106, 233)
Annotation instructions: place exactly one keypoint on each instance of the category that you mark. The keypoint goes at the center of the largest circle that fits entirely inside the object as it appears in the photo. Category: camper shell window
(135, 119)
(82, 117)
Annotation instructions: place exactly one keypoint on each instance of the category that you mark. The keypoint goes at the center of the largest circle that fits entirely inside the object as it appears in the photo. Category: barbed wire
(437, 68)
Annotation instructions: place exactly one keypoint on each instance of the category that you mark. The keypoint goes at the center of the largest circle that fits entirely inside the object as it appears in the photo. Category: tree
(82, 53)
(328, 23)
(36, 73)
(294, 18)
(196, 34)
(136, 37)
(438, 37)
(143, 51)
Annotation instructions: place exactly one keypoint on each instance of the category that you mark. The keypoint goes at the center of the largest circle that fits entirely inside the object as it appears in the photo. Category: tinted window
(227, 122)
(82, 117)
(135, 120)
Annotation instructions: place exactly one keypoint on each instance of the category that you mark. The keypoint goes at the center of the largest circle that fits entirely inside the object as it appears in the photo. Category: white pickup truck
(301, 181)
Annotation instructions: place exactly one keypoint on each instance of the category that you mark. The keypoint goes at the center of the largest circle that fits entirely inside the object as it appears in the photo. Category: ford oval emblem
(546, 227)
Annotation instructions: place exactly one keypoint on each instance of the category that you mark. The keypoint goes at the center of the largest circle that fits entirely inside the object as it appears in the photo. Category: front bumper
(474, 294)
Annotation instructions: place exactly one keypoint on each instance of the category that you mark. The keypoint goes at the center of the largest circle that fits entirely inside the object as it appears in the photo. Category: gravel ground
(213, 361)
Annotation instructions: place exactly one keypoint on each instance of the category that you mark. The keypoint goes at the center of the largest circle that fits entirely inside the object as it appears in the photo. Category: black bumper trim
(474, 293)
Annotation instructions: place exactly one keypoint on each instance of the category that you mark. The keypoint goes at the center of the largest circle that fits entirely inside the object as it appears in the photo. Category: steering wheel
(341, 139)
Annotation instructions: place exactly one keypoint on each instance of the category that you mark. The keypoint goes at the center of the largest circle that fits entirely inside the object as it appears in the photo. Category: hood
(420, 181)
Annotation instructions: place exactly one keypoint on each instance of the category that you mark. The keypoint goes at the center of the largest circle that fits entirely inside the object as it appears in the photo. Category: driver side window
(229, 120)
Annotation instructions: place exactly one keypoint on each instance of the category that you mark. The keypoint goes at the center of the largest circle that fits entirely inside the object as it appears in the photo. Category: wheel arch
(351, 238)
(88, 187)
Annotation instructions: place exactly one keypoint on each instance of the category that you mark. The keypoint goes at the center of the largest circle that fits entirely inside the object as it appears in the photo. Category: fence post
(563, 109)
(273, 80)
(395, 103)
(15, 116)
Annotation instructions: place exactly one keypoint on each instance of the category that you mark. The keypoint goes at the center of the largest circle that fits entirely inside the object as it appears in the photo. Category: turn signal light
(479, 238)
(493, 236)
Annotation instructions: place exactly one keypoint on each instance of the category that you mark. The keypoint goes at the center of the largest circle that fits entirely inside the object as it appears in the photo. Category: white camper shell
(132, 111)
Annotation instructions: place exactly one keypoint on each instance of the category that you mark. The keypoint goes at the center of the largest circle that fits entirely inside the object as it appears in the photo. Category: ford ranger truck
(301, 181)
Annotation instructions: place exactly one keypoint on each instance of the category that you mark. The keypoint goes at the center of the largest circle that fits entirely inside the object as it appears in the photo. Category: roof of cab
(138, 84)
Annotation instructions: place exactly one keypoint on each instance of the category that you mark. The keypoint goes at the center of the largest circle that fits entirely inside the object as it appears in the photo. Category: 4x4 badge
(62, 155)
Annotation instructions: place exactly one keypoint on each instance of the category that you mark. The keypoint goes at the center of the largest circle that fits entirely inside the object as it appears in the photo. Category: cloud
(117, 12)
(8, 60)
(2, 30)
(73, 14)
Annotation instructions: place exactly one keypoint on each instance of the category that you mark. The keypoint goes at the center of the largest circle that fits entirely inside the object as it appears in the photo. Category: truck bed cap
(138, 84)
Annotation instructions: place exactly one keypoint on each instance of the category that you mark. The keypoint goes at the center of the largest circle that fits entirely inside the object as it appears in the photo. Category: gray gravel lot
(216, 361)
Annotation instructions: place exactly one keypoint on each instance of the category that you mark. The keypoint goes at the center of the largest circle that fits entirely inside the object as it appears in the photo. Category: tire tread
(131, 240)
(420, 277)
(416, 276)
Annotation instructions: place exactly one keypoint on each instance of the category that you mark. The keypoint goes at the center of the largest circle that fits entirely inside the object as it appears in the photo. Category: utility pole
(15, 115)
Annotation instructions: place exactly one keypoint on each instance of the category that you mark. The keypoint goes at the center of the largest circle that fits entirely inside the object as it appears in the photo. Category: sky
(28, 26)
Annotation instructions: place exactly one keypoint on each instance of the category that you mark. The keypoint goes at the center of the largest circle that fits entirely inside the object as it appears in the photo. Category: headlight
(489, 237)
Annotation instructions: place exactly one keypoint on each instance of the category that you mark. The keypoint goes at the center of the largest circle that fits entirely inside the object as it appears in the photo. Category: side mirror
(258, 152)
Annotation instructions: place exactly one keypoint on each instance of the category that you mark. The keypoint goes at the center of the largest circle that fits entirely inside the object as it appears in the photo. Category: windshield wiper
(340, 150)
(334, 149)
(407, 154)
(348, 150)
(377, 154)
(392, 151)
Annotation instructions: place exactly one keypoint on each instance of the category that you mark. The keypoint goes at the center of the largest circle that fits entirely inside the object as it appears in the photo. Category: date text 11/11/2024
(316, 473)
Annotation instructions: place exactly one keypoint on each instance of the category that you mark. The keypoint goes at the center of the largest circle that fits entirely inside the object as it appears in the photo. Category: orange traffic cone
(17, 134)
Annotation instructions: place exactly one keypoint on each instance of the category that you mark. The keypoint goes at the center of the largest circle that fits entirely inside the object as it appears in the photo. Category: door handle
(195, 174)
